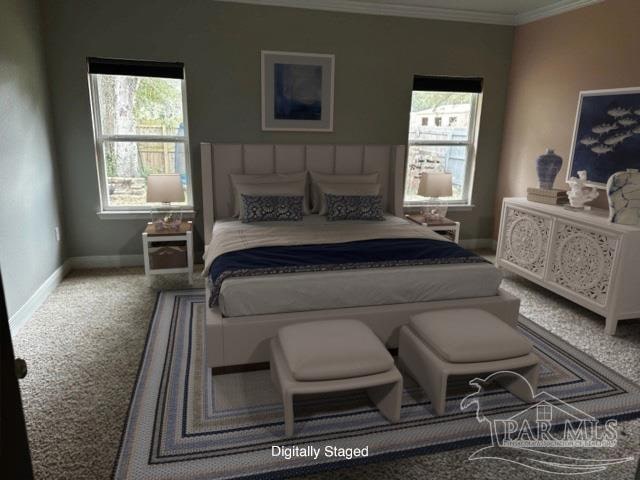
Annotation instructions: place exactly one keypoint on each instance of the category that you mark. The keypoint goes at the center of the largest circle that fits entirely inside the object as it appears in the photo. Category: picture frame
(297, 91)
(606, 134)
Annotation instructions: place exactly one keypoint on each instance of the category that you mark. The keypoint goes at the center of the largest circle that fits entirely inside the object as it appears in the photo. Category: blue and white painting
(607, 137)
(298, 92)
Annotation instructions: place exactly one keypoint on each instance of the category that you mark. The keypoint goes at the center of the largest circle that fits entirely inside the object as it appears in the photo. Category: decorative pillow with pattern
(345, 189)
(270, 178)
(263, 208)
(354, 207)
(316, 178)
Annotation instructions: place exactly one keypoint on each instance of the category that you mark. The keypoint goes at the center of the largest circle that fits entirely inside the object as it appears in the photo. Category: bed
(265, 275)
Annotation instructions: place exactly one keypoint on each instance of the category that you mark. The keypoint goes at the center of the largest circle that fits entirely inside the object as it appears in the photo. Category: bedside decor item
(579, 194)
(606, 136)
(297, 91)
(165, 189)
(435, 185)
(547, 166)
(550, 197)
(623, 192)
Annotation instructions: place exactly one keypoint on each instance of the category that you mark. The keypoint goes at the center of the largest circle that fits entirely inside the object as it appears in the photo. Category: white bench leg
(423, 367)
(437, 391)
(388, 399)
(525, 391)
(287, 402)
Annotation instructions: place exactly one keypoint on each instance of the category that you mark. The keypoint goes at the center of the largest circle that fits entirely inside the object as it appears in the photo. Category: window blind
(135, 68)
(447, 84)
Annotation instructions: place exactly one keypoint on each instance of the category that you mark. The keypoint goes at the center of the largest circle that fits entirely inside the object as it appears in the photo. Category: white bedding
(296, 292)
(230, 235)
(299, 292)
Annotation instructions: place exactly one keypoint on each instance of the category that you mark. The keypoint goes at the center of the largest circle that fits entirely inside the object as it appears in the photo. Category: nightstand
(168, 251)
(445, 227)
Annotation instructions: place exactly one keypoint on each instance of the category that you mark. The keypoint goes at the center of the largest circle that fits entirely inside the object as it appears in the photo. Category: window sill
(450, 208)
(137, 214)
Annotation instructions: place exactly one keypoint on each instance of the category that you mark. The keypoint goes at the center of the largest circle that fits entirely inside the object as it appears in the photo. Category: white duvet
(231, 235)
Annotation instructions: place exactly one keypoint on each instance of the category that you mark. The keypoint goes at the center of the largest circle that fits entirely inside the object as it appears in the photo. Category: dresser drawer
(582, 260)
(525, 240)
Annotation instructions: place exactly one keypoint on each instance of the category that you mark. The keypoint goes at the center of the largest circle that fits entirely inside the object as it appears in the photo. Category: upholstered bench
(438, 344)
(332, 356)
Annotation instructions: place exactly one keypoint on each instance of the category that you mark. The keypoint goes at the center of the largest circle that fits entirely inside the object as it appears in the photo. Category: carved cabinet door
(525, 240)
(582, 261)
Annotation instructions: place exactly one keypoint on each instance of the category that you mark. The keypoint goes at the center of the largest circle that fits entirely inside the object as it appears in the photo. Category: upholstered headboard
(219, 160)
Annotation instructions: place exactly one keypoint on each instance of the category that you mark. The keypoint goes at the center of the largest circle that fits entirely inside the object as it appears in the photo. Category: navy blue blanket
(335, 256)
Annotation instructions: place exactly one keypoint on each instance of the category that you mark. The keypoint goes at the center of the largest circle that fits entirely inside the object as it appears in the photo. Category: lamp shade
(164, 188)
(435, 184)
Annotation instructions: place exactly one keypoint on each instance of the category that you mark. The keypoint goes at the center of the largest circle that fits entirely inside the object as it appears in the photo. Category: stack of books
(551, 197)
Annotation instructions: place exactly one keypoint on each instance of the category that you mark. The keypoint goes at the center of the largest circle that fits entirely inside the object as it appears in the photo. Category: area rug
(184, 423)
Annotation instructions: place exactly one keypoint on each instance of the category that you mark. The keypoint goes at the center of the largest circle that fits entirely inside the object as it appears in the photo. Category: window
(425, 121)
(544, 413)
(140, 128)
(449, 147)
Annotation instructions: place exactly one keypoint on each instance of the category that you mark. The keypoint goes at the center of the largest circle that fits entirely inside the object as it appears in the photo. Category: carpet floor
(84, 344)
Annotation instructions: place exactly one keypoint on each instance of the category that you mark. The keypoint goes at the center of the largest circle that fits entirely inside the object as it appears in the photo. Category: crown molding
(549, 11)
(388, 9)
(415, 11)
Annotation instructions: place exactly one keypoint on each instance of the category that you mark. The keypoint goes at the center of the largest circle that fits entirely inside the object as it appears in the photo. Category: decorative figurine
(579, 193)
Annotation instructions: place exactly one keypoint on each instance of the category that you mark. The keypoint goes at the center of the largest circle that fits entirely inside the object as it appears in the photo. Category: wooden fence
(156, 157)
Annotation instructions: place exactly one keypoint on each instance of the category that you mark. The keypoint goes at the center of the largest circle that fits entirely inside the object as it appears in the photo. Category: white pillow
(368, 189)
(317, 178)
(237, 178)
(270, 190)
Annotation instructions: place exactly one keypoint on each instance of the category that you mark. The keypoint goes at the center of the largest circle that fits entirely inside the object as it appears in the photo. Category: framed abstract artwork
(606, 136)
(297, 91)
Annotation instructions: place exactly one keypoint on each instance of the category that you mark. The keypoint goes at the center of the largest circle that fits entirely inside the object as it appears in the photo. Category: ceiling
(501, 12)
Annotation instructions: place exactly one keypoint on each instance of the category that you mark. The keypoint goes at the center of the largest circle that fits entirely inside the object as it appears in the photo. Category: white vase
(623, 192)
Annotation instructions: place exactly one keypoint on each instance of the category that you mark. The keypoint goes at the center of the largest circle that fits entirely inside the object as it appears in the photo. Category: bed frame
(245, 340)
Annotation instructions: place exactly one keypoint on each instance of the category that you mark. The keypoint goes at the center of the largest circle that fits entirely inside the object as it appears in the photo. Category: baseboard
(478, 243)
(26, 311)
(106, 261)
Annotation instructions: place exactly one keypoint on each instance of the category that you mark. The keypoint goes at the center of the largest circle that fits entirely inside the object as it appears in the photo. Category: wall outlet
(57, 229)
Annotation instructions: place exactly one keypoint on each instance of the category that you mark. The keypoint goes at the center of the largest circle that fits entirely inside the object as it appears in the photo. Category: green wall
(220, 44)
(29, 198)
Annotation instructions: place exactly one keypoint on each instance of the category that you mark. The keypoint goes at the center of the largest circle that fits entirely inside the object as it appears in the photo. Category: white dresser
(579, 255)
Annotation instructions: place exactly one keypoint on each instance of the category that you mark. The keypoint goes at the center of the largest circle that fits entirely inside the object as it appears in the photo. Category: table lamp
(165, 188)
(435, 185)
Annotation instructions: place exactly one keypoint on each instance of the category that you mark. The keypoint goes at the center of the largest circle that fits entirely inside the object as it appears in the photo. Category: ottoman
(438, 344)
(333, 356)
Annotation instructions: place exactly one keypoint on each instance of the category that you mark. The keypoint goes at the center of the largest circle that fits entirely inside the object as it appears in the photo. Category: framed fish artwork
(606, 136)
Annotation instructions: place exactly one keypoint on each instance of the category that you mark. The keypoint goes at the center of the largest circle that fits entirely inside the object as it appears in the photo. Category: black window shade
(135, 68)
(447, 84)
